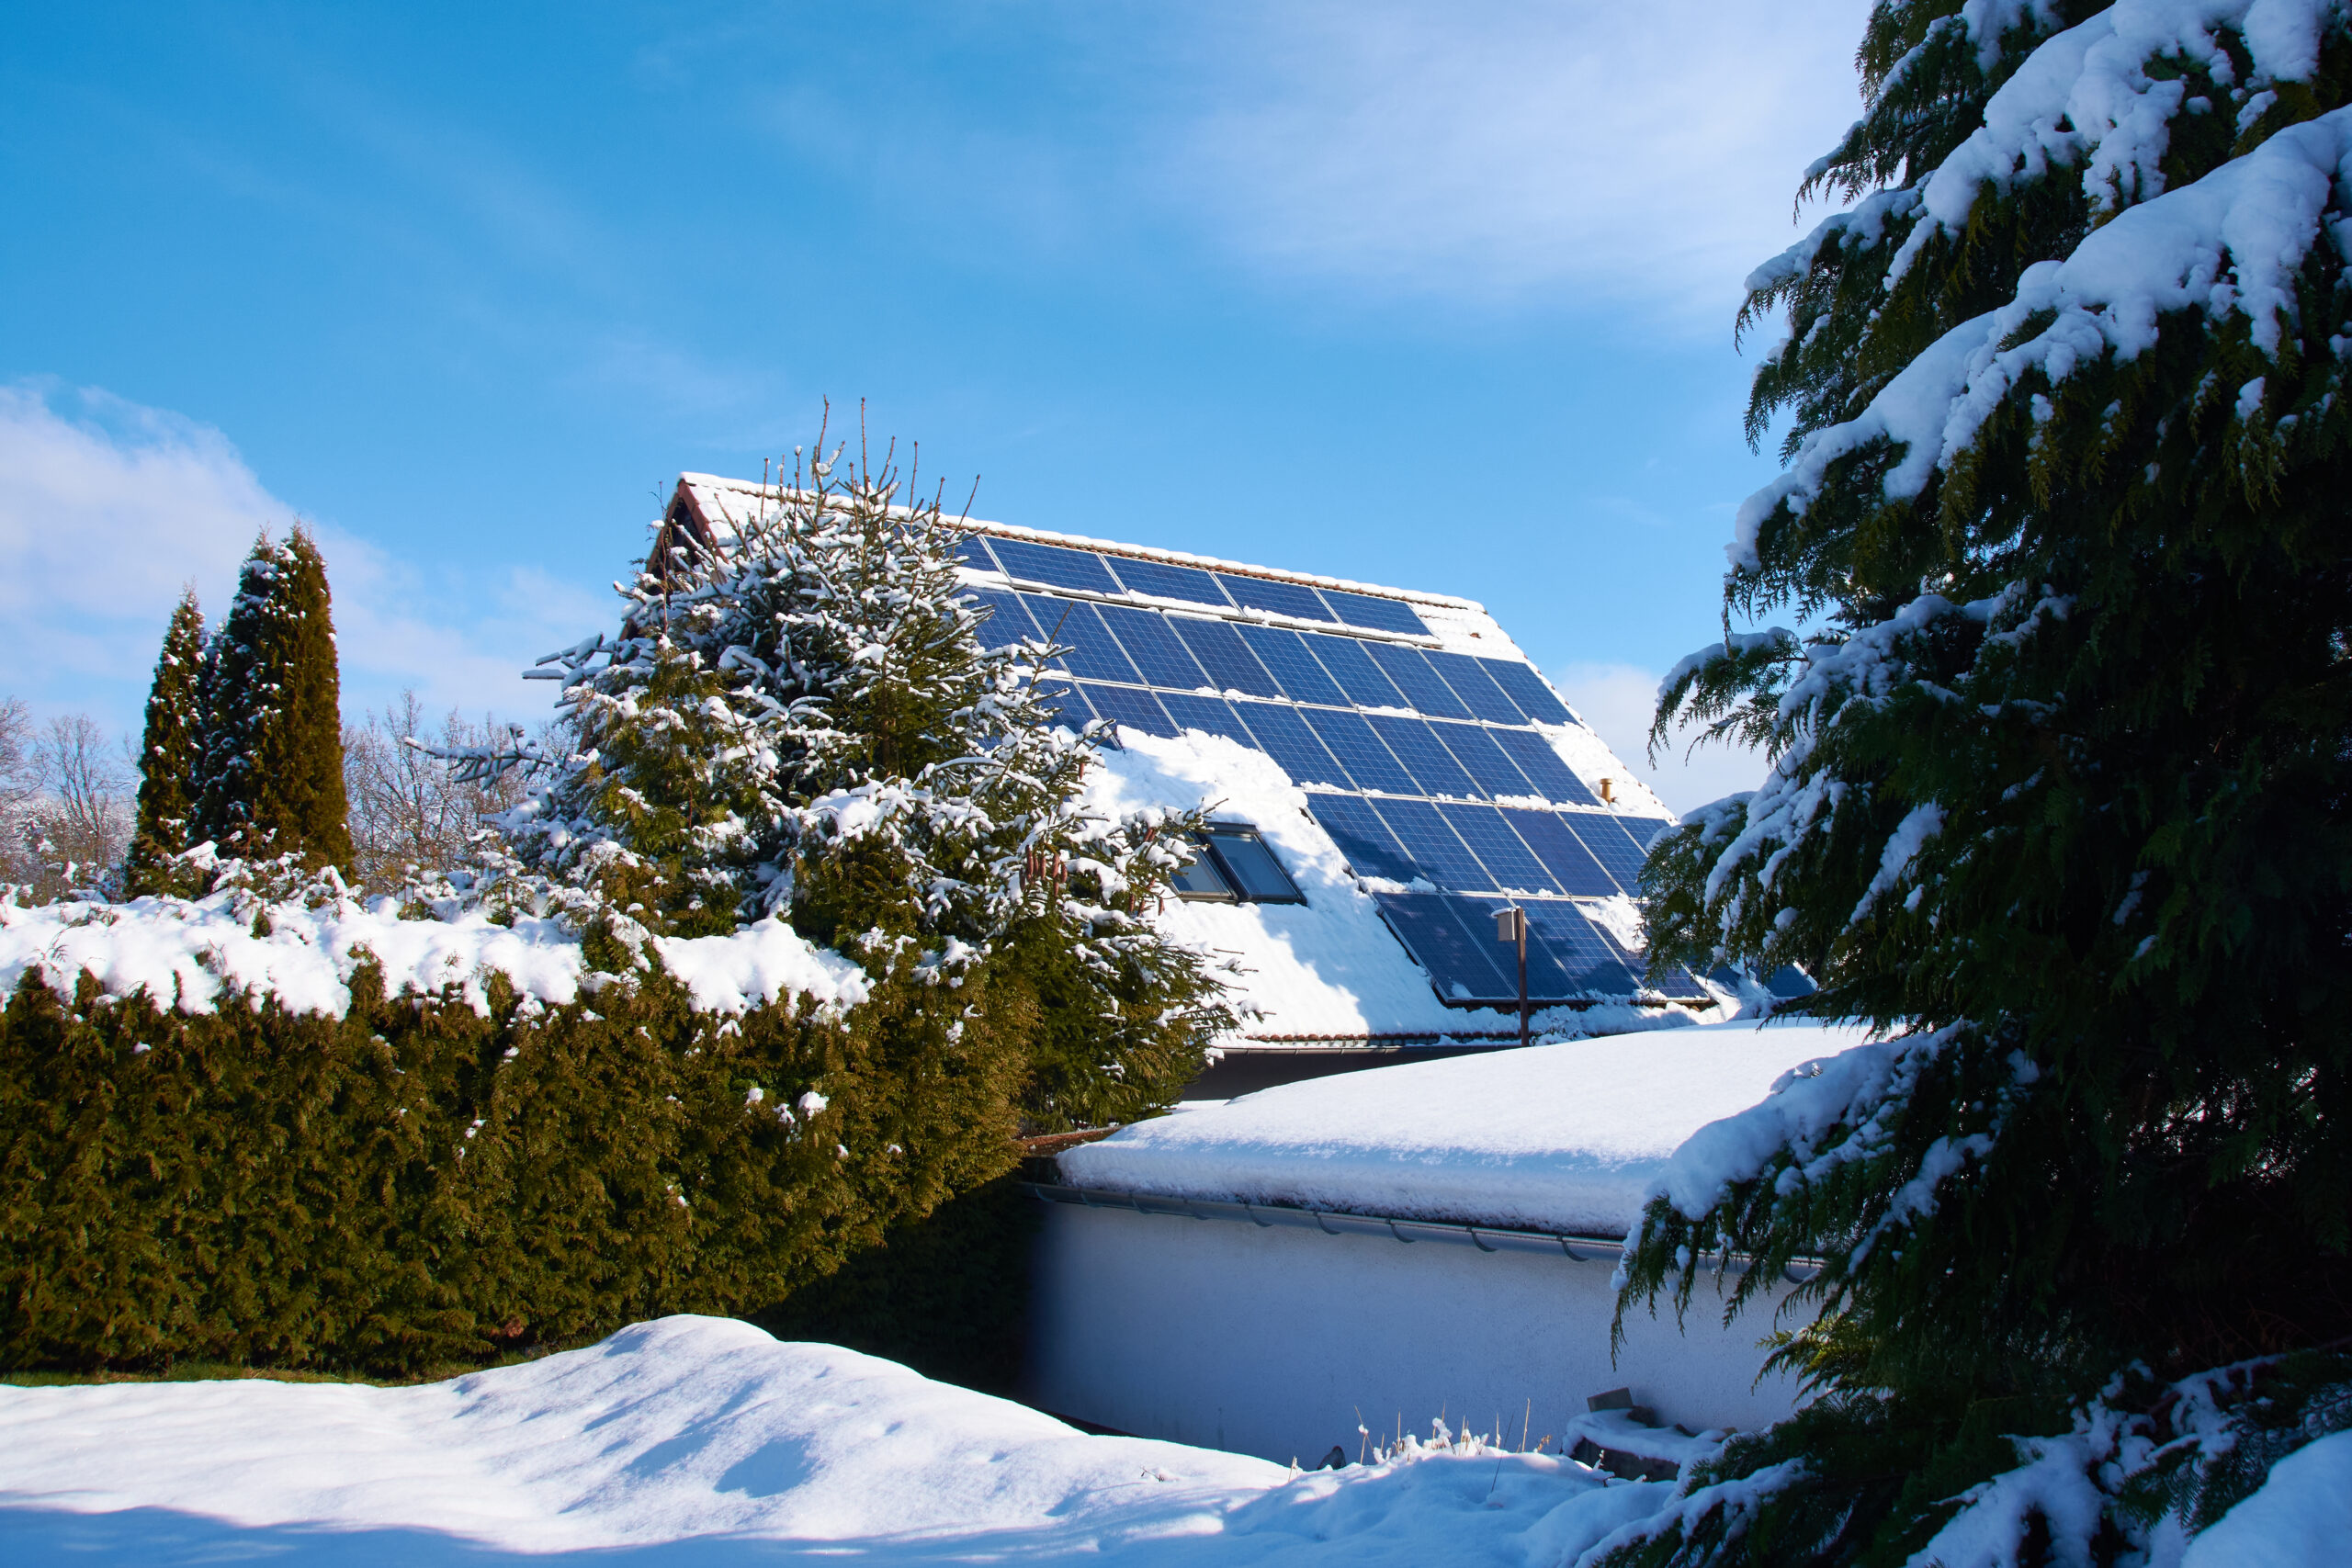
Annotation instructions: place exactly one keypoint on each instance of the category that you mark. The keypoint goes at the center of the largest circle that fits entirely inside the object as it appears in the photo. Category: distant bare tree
(406, 808)
(65, 792)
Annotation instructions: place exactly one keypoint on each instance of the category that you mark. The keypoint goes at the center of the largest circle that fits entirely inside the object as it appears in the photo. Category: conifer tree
(799, 720)
(270, 782)
(2062, 743)
(168, 754)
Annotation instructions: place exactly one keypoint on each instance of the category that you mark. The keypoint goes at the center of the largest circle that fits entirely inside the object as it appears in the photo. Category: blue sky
(1436, 296)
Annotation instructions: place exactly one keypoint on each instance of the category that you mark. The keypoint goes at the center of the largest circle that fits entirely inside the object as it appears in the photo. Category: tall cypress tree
(2061, 789)
(271, 779)
(169, 753)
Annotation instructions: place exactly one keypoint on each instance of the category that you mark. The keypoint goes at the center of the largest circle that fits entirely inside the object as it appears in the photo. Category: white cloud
(108, 509)
(1618, 700)
(1629, 153)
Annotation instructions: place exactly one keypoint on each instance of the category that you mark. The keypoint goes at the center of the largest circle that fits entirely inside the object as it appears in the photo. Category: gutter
(1485, 1238)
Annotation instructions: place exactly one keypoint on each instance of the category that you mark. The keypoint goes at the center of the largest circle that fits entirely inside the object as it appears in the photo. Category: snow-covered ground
(703, 1440)
(1568, 1137)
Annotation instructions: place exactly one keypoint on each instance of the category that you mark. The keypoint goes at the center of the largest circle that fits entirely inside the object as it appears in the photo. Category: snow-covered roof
(1568, 1138)
(1400, 755)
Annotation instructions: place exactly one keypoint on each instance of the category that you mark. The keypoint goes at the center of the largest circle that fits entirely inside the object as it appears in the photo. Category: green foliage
(2063, 785)
(168, 755)
(415, 1184)
(270, 779)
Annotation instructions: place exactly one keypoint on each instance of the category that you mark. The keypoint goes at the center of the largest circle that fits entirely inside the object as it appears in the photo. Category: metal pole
(1521, 923)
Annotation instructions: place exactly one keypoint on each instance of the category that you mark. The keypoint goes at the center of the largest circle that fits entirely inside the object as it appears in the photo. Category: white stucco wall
(1269, 1341)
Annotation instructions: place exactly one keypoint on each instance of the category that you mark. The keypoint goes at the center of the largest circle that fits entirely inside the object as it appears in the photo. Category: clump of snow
(1328, 967)
(2300, 1518)
(193, 954)
(1571, 1137)
(707, 1431)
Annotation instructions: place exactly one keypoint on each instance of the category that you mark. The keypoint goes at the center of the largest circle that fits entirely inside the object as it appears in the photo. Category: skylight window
(1236, 865)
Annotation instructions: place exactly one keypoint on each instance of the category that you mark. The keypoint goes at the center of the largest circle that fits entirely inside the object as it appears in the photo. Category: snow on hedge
(1571, 1137)
(195, 953)
(704, 1431)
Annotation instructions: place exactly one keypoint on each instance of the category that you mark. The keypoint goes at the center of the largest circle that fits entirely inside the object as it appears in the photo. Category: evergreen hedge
(414, 1184)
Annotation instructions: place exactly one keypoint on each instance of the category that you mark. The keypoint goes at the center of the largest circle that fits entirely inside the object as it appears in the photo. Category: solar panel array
(1424, 765)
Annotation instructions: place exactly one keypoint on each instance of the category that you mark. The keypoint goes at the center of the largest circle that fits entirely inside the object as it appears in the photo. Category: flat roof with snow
(1403, 762)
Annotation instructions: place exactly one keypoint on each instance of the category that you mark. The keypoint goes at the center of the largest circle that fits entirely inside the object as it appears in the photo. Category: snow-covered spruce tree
(168, 754)
(2063, 779)
(799, 721)
(269, 782)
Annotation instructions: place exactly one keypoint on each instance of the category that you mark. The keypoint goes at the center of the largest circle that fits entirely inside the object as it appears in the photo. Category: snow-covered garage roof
(1401, 757)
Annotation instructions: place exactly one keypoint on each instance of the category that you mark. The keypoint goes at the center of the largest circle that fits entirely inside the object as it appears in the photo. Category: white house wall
(1272, 1341)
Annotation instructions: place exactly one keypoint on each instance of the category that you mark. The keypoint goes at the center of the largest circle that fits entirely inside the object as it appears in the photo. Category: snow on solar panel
(1591, 960)
(1434, 935)
(1551, 777)
(1498, 848)
(1210, 713)
(1370, 848)
(1284, 736)
(1127, 705)
(1283, 653)
(1424, 693)
(1369, 762)
(1475, 687)
(1094, 654)
(1162, 659)
(1528, 689)
(1007, 623)
(1053, 565)
(1436, 849)
(1293, 599)
(1563, 854)
(1376, 615)
(1419, 750)
(1230, 664)
(1352, 667)
(1162, 580)
(1489, 763)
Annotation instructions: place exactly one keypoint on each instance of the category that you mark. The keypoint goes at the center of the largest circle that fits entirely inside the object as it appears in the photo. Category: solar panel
(1352, 667)
(1610, 846)
(1293, 599)
(1424, 693)
(1053, 565)
(1591, 961)
(1129, 705)
(1475, 687)
(1006, 623)
(1210, 713)
(1435, 848)
(1163, 580)
(1562, 852)
(1419, 750)
(1545, 770)
(1370, 848)
(1283, 653)
(1460, 968)
(1528, 689)
(1643, 830)
(1231, 666)
(1284, 736)
(1157, 653)
(1378, 615)
(973, 551)
(1368, 761)
(1546, 981)
(1489, 763)
(1507, 860)
(1094, 654)
(1064, 702)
